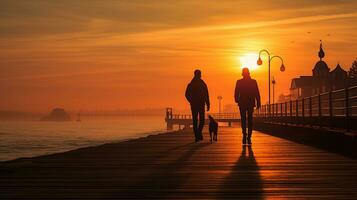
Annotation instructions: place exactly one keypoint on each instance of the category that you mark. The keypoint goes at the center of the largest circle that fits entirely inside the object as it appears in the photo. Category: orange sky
(105, 55)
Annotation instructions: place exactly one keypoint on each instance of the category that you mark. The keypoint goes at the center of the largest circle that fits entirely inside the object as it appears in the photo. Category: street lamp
(273, 82)
(260, 62)
(219, 101)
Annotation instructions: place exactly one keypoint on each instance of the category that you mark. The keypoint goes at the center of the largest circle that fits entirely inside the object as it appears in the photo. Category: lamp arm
(264, 51)
(281, 59)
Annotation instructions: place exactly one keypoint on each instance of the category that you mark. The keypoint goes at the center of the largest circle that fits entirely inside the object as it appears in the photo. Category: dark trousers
(198, 120)
(246, 114)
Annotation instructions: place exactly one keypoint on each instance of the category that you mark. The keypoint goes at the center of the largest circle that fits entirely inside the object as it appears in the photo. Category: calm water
(33, 138)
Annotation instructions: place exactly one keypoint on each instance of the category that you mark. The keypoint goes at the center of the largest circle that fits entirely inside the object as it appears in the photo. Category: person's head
(245, 73)
(210, 118)
(197, 73)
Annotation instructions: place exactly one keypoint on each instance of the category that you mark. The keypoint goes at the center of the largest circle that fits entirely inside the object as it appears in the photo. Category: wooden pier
(172, 166)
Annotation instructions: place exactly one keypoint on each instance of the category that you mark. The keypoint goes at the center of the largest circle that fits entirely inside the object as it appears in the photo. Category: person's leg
(250, 124)
(243, 120)
(201, 113)
(194, 121)
(215, 134)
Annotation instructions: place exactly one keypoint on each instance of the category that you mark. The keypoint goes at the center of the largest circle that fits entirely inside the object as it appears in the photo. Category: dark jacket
(247, 92)
(197, 93)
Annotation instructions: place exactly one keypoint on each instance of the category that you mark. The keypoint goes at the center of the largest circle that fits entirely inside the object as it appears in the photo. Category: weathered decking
(171, 166)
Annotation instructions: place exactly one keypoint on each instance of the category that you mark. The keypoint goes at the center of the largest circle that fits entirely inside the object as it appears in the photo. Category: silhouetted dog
(213, 128)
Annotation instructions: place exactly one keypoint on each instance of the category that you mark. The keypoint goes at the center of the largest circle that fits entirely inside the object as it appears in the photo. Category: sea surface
(34, 138)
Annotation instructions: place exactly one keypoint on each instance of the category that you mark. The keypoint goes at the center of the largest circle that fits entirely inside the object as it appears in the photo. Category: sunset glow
(105, 55)
(249, 61)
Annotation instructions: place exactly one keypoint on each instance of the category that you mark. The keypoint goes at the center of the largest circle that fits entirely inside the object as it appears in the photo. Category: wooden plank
(171, 166)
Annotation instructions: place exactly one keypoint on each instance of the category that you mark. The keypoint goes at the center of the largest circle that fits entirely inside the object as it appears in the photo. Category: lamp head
(282, 67)
(259, 61)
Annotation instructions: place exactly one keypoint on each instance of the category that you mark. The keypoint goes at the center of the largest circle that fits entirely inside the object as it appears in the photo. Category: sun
(249, 60)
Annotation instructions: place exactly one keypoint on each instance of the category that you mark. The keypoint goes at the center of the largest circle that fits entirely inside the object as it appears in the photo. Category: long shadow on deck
(164, 180)
(244, 182)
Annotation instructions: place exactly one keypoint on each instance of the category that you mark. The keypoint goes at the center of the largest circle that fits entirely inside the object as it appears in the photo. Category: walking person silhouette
(197, 95)
(246, 94)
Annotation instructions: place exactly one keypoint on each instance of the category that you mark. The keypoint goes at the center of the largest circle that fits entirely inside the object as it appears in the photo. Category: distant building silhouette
(322, 79)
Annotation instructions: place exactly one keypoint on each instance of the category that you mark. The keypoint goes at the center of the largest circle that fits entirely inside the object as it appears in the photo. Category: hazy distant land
(18, 115)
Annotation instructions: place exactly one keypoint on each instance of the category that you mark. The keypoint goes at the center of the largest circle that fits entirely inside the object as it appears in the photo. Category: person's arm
(207, 98)
(257, 95)
(236, 93)
(188, 93)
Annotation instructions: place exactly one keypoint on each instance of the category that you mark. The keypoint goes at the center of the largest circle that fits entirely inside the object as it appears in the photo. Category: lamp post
(273, 82)
(219, 103)
(260, 62)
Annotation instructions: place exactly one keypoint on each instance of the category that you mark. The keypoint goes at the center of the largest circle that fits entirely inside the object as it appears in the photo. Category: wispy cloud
(289, 21)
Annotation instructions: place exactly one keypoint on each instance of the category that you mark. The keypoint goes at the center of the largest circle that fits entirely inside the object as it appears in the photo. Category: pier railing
(331, 109)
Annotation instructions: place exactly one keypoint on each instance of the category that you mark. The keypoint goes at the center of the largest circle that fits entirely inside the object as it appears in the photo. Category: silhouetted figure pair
(197, 96)
(247, 96)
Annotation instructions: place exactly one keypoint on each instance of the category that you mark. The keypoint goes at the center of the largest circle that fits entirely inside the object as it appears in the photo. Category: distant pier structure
(185, 120)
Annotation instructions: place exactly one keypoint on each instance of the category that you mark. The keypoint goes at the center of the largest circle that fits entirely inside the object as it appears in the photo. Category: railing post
(265, 111)
(330, 107)
(281, 109)
(347, 109)
(291, 108)
(303, 108)
(261, 111)
(319, 105)
(297, 108)
(277, 109)
(310, 110)
(286, 109)
(310, 106)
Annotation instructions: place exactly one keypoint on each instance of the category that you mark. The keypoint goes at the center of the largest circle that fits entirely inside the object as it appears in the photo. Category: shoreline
(135, 137)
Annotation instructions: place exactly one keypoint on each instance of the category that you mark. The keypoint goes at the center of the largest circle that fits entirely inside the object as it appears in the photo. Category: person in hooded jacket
(247, 96)
(198, 97)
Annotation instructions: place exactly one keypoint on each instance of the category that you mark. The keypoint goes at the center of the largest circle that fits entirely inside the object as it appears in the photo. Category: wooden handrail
(337, 103)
